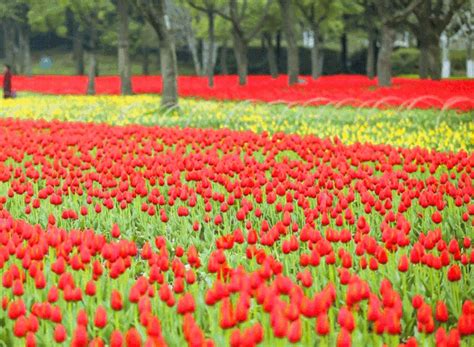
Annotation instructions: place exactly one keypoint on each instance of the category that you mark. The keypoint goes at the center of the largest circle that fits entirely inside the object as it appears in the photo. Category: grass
(63, 64)
(416, 76)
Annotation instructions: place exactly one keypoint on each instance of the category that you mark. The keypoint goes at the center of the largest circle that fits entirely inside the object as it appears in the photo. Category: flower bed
(337, 90)
(127, 235)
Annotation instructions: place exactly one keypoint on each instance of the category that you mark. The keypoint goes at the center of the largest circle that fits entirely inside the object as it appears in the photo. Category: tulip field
(234, 224)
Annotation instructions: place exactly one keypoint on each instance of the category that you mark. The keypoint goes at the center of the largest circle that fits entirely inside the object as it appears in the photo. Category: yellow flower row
(447, 131)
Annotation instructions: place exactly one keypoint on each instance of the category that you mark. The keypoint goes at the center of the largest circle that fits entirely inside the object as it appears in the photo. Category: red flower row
(337, 90)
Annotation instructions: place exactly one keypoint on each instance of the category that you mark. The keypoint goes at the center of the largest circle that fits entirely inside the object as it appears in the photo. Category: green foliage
(13, 10)
(47, 15)
(405, 60)
(222, 27)
(327, 16)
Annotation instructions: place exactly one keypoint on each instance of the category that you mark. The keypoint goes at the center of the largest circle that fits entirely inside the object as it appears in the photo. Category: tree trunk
(434, 60)
(2, 41)
(469, 58)
(145, 61)
(191, 41)
(211, 53)
(320, 62)
(78, 50)
(224, 68)
(17, 61)
(469, 49)
(370, 67)
(92, 61)
(423, 63)
(9, 39)
(384, 60)
(288, 21)
(316, 56)
(77, 42)
(27, 53)
(271, 56)
(91, 74)
(430, 52)
(278, 45)
(344, 60)
(240, 51)
(156, 14)
(24, 49)
(446, 63)
(169, 69)
(123, 49)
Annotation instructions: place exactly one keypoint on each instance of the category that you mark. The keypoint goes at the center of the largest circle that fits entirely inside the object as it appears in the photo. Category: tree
(9, 34)
(289, 20)
(223, 36)
(344, 53)
(392, 13)
(223, 59)
(92, 16)
(14, 15)
(154, 11)
(322, 16)
(124, 66)
(463, 26)
(271, 27)
(370, 24)
(58, 17)
(209, 8)
(245, 26)
(432, 18)
(77, 35)
(182, 27)
(271, 55)
(143, 40)
(24, 41)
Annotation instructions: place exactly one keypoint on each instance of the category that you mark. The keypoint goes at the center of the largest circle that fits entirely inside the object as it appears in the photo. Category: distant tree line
(209, 27)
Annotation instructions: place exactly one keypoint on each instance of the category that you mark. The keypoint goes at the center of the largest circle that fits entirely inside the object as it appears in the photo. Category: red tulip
(441, 311)
(60, 333)
(186, 304)
(115, 231)
(436, 217)
(346, 319)
(56, 314)
(322, 325)
(80, 337)
(403, 264)
(116, 339)
(16, 309)
(294, 331)
(454, 273)
(97, 342)
(100, 318)
(20, 327)
(82, 318)
(116, 300)
(154, 327)
(17, 288)
(235, 338)
(90, 288)
(133, 338)
(30, 340)
(344, 339)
